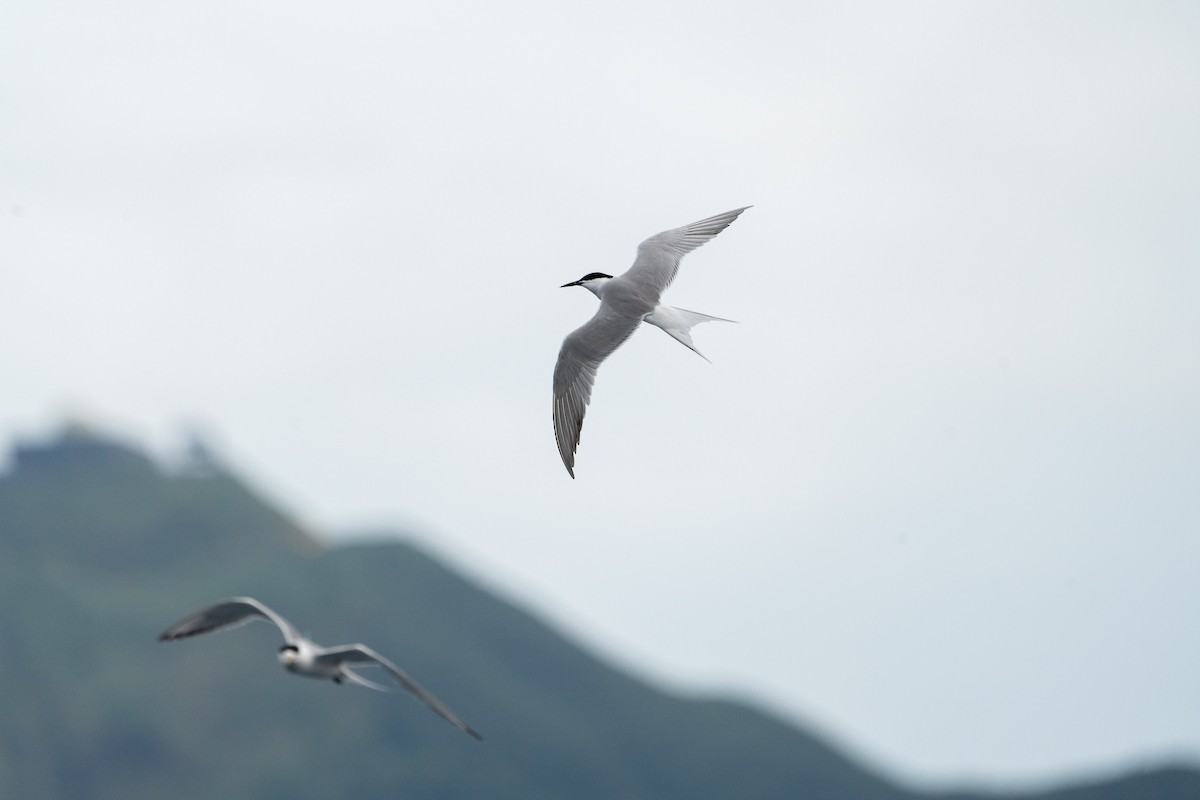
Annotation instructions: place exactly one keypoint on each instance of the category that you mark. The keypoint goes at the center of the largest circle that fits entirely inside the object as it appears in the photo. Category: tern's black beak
(572, 283)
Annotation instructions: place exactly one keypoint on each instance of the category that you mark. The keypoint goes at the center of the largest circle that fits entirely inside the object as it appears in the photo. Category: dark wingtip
(168, 636)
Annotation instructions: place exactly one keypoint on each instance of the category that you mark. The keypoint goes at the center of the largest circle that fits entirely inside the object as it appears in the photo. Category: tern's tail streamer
(678, 322)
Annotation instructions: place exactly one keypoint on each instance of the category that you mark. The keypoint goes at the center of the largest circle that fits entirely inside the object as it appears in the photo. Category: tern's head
(288, 653)
(592, 282)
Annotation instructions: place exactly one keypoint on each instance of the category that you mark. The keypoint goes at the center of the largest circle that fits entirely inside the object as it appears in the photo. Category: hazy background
(938, 493)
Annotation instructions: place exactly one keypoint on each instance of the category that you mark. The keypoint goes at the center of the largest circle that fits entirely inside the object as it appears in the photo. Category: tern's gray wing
(578, 359)
(228, 614)
(658, 257)
(361, 654)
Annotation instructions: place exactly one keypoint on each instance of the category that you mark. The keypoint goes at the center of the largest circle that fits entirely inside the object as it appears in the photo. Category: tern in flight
(305, 657)
(625, 302)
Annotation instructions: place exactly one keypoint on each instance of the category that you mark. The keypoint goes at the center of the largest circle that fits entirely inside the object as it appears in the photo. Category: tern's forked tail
(678, 322)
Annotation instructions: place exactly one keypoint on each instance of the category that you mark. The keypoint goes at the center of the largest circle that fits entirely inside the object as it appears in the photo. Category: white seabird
(301, 655)
(625, 302)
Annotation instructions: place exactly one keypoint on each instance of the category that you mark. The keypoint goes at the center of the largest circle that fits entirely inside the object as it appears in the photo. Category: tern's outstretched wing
(228, 614)
(658, 257)
(361, 654)
(578, 359)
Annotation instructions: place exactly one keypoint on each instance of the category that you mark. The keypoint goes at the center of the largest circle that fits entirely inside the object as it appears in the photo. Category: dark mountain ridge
(101, 548)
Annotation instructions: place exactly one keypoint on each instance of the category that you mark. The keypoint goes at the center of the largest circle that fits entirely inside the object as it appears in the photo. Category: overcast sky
(937, 494)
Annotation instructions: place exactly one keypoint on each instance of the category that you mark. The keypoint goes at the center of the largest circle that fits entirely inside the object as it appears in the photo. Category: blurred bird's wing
(361, 654)
(229, 614)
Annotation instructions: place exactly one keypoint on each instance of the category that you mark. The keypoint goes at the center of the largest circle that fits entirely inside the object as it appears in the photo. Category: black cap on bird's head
(591, 276)
(288, 654)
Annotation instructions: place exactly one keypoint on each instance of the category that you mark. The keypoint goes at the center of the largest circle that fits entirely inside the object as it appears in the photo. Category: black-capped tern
(302, 656)
(625, 302)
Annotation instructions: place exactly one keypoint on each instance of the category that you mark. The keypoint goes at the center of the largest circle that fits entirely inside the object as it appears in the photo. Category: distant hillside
(100, 549)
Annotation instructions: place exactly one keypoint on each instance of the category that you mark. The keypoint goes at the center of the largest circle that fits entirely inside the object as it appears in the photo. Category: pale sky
(937, 493)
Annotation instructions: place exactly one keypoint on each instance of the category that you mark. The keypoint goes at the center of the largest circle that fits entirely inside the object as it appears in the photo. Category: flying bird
(304, 657)
(625, 301)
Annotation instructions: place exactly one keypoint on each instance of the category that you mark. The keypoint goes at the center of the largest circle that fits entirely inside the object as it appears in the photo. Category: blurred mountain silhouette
(101, 548)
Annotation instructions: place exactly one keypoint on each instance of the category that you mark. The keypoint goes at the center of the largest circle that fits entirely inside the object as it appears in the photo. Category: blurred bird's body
(301, 656)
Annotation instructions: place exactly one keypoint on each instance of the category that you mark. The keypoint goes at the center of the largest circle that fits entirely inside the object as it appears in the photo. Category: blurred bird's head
(288, 653)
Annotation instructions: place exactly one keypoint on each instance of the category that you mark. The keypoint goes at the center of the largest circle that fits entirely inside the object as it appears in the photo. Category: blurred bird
(625, 301)
(305, 657)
